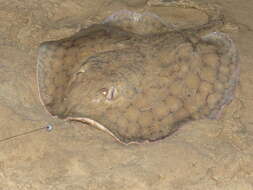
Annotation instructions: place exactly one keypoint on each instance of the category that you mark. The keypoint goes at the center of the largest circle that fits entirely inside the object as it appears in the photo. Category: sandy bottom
(202, 155)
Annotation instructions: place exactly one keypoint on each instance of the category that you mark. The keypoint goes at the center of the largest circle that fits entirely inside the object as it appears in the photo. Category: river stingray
(136, 78)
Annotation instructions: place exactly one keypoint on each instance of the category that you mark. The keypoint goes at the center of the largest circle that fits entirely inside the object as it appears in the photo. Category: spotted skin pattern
(138, 86)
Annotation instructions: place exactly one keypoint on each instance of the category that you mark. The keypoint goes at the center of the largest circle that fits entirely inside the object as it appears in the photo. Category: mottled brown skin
(139, 87)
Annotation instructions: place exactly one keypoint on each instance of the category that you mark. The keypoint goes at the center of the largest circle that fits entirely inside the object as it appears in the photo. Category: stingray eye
(104, 91)
(110, 93)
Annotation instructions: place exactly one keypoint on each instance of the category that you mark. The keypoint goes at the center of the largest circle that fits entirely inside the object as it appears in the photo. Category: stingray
(136, 78)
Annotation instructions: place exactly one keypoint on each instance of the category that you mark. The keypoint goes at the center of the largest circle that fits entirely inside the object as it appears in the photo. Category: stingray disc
(138, 85)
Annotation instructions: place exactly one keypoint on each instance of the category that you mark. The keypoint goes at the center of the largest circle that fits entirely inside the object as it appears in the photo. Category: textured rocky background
(202, 155)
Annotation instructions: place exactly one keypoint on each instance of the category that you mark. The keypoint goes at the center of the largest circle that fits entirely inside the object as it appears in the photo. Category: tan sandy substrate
(202, 155)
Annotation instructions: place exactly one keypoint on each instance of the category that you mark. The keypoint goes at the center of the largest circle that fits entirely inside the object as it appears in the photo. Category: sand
(204, 154)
